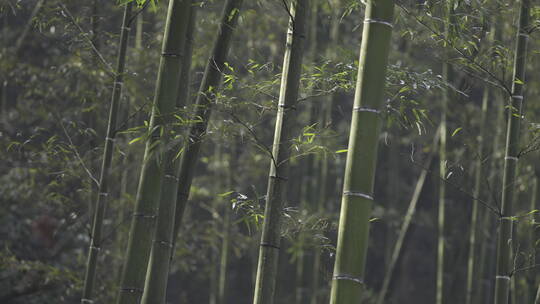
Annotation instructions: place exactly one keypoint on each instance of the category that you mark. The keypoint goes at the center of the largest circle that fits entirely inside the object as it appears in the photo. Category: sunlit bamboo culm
(357, 200)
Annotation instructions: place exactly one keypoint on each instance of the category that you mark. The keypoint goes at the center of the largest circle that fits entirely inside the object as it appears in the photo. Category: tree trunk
(101, 200)
(148, 194)
(504, 240)
(158, 265)
(288, 97)
(205, 98)
(357, 200)
(407, 221)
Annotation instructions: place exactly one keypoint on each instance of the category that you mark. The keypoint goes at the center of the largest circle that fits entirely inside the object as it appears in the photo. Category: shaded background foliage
(55, 96)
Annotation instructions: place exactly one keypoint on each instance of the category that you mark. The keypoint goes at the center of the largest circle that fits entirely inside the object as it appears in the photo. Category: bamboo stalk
(148, 194)
(479, 174)
(483, 288)
(158, 265)
(534, 238)
(275, 195)
(139, 31)
(411, 210)
(225, 244)
(357, 200)
(439, 292)
(203, 105)
(323, 166)
(103, 188)
(537, 300)
(504, 240)
(308, 167)
(28, 26)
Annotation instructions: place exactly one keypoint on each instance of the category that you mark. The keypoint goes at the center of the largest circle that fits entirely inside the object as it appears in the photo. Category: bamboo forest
(270, 151)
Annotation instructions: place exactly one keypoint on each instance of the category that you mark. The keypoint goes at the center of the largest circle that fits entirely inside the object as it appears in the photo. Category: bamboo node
(136, 214)
(110, 139)
(118, 83)
(127, 28)
(103, 194)
(389, 24)
(131, 289)
(172, 177)
(511, 158)
(520, 97)
(164, 243)
(269, 245)
(358, 193)
(348, 277)
(286, 107)
(524, 35)
(366, 109)
(95, 248)
(279, 177)
(506, 218)
(175, 55)
(86, 301)
(502, 277)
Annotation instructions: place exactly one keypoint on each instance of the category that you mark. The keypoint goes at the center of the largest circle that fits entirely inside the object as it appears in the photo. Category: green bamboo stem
(288, 97)
(158, 265)
(483, 288)
(22, 37)
(322, 182)
(439, 291)
(537, 300)
(227, 214)
(308, 167)
(139, 31)
(219, 185)
(103, 188)
(534, 238)
(148, 194)
(323, 166)
(504, 240)
(94, 21)
(479, 175)
(441, 211)
(357, 200)
(205, 98)
(411, 210)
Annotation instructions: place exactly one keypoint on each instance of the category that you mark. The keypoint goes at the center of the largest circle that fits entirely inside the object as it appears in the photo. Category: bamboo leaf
(456, 131)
